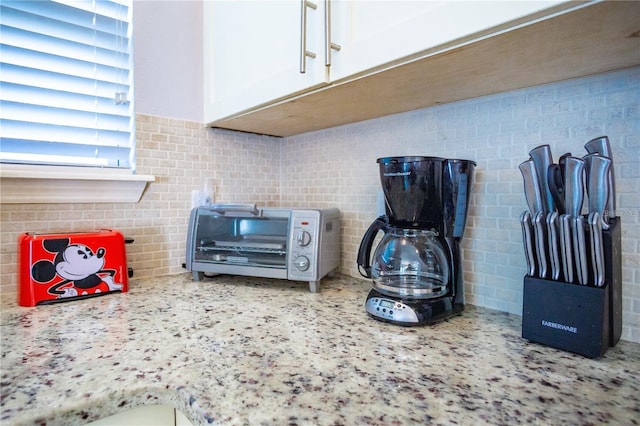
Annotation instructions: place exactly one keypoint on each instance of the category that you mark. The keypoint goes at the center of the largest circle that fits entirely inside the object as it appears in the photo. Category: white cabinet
(375, 33)
(181, 419)
(397, 56)
(252, 52)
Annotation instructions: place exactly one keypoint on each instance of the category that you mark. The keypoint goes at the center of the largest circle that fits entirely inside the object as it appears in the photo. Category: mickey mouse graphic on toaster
(78, 266)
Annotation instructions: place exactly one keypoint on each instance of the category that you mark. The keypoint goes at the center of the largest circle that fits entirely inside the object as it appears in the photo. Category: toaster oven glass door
(247, 241)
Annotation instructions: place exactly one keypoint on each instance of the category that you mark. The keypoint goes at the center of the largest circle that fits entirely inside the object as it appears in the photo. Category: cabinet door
(182, 420)
(252, 52)
(374, 33)
(148, 415)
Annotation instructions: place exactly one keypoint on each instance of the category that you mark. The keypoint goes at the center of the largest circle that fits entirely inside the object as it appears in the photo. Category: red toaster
(58, 267)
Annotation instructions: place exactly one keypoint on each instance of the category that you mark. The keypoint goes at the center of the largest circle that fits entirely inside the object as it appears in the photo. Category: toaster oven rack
(248, 244)
(246, 252)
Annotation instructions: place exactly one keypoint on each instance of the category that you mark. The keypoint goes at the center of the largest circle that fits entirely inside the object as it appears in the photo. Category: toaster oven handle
(223, 209)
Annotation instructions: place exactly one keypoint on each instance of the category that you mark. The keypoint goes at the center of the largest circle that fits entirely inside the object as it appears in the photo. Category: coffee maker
(416, 268)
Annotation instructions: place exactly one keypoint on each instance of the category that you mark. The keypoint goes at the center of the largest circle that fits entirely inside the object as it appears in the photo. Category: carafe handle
(364, 252)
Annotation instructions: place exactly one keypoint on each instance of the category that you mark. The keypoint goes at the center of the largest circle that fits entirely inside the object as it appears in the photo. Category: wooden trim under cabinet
(591, 40)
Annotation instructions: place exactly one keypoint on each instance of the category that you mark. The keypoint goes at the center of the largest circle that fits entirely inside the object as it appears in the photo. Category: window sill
(28, 184)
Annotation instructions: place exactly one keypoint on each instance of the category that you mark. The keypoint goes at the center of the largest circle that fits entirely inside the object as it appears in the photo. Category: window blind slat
(63, 48)
(67, 154)
(43, 132)
(56, 99)
(66, 77)
(76, 119)
(45, 79)
(101, 15)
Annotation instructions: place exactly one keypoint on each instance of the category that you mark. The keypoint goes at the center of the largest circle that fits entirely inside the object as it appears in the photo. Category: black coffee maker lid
(459, 160)
(414, 158)
(407, 159)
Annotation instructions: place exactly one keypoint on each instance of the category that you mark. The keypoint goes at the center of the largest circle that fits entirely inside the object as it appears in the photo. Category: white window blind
(66, 83)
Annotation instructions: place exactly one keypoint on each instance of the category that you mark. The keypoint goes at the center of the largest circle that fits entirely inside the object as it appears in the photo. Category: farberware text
(560, 326)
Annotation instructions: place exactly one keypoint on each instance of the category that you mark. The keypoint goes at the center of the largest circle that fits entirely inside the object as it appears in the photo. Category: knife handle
(555, 177)
(542, 159)
(601, 145)
(598, 169)
(531, 188)
(574, 185)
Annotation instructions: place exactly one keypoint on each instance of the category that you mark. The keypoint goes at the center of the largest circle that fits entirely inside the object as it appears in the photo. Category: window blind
(66, 83)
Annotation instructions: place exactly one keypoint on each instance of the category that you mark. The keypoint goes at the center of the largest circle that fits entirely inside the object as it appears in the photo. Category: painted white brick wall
(497, 132)
(336, 167)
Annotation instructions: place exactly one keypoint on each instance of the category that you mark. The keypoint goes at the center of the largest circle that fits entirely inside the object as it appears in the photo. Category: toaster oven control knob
(303, 238)
(301, 263)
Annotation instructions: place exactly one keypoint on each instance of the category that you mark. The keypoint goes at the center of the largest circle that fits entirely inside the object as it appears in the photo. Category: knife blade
(554, 252)
(542, 159)
(566, 248)
(527, 237)
(597, 248)
(541, 242)
(531, 189)
(602, 146)
(580, 250)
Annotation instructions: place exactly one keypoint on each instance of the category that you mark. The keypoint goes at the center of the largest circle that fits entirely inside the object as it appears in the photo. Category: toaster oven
(240, 239)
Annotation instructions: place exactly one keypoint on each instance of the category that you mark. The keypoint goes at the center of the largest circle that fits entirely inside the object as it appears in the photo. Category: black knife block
(581, 319)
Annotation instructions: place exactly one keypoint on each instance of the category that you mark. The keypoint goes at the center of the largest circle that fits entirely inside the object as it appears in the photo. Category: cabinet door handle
(328, 45)
(303, 35)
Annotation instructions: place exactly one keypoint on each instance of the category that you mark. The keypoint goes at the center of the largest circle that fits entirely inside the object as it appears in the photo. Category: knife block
(581, 319)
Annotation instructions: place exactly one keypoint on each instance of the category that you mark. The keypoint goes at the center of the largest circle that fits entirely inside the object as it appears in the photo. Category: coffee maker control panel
(391, 310)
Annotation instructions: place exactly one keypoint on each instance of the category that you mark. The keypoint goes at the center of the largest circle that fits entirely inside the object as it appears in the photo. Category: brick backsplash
(337, 167)
(182, 156)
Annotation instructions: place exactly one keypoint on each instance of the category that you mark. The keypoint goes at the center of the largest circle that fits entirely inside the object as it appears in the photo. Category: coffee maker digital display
(416, 268)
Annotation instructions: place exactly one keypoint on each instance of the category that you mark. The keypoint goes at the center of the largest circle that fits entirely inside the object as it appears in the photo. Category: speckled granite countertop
(234, 350)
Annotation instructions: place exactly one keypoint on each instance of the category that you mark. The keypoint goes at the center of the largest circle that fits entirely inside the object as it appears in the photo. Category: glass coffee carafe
(410, 263)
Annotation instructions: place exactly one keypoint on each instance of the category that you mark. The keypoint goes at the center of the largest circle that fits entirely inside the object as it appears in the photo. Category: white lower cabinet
(181, 419)
(148, 415)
